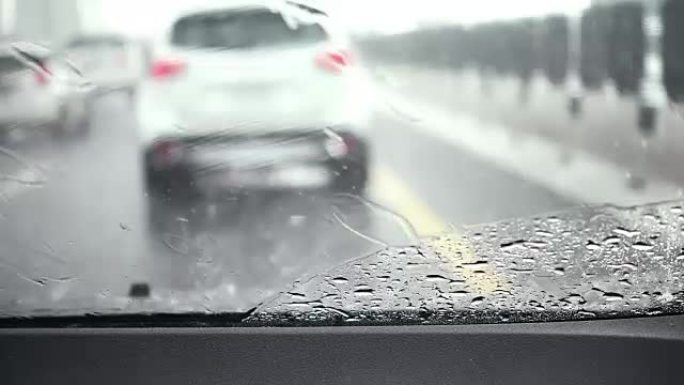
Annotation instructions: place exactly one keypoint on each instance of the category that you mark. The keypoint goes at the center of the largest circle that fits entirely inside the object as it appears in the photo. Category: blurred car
(111, 62)
(254, 98)
(38, 90)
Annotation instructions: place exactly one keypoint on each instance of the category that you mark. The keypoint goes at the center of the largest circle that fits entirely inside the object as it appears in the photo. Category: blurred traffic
(37, 89)
(244, 145)
(112, 62)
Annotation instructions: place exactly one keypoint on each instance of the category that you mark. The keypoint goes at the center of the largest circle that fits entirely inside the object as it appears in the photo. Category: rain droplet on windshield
(364, 292)
(436, 278)
(613, 296)
(626, 233)
(339, 280)
(512, 246)
(642, 246)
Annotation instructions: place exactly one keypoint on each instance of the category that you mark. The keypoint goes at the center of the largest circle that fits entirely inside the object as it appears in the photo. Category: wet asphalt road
(76, 222)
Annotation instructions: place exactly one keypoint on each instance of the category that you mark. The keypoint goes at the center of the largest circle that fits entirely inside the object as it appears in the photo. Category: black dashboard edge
(620, 351)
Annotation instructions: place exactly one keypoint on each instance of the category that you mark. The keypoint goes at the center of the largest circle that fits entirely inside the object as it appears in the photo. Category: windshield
(341, 162)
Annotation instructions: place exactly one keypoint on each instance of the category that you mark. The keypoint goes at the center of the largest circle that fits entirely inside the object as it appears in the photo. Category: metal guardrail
(615, 44)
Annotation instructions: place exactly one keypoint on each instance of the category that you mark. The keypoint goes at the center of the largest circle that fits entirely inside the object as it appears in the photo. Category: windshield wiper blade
(196, 319)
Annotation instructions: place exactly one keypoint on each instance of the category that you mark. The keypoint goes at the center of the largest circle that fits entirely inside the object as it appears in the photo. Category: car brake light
(333, 61)
(41, 79)
(167, 153)
(351, 142)
(336, 147)
(341, 145)
(42, 74)
(162, 69)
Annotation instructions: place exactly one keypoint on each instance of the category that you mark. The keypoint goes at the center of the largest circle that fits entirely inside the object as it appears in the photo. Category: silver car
(38, 90)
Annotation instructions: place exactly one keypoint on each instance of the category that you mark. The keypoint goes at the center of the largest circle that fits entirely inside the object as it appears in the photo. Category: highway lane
(610, 128)
(76, 222)
(459, 186)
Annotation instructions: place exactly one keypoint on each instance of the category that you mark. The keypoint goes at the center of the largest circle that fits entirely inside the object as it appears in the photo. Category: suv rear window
(242, 29)
(96, 42)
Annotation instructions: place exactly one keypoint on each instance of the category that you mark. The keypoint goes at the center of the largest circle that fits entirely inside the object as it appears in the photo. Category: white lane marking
(583, 177)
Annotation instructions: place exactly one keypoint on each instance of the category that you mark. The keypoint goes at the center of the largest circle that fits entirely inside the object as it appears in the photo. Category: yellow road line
(391, 191)
(461, 258)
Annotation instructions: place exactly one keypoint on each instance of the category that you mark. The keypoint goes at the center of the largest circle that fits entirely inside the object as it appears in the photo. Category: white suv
(254, 98)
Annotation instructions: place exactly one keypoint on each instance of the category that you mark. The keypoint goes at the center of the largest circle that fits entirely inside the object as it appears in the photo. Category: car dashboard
(620, 351)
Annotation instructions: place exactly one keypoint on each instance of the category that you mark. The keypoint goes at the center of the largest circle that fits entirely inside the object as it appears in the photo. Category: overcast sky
(147, 17)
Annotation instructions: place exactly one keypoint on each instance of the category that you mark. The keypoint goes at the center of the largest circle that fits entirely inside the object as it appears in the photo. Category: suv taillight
(166, 153)
(334, 61)
(42, 74)
(163, 69)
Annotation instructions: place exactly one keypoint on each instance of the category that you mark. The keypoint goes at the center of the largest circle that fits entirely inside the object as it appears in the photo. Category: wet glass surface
(593, 263)
(307, 167)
